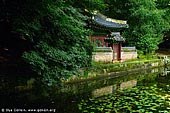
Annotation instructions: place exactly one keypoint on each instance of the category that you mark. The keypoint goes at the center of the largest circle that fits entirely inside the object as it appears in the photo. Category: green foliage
(148, 21)
(54, 64)
(57, 33)
(91, 5)
(147, 24)
(165, 6)
(117, 9)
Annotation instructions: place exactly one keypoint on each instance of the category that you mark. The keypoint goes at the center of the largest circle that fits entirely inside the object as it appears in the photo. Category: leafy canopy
(57, 32)
(148, 21)
(146, 25)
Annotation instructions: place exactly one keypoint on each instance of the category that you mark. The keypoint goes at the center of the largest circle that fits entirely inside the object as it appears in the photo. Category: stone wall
(120, 69)
(108, 56)
(105, 54)
(128, 55)
(102, 56)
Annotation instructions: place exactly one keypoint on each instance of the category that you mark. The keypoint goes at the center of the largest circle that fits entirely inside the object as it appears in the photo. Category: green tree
(118, 9)
(165, 6)
(90, 5)
(148, 21)
(60, 44)
(146, 25)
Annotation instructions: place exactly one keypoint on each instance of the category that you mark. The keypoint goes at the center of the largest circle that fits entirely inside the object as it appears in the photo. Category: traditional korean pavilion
(107, 33)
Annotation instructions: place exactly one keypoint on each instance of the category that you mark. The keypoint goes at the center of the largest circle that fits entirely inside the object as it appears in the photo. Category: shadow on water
(28, 92)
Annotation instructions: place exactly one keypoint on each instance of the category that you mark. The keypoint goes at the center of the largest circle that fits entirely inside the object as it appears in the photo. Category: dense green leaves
(58, 36)
(165, 6)
(89, 4)
(146, 25)
(56, 30)
(148, 21)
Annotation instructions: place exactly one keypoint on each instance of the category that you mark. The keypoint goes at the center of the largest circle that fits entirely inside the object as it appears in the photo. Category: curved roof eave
(110, 24)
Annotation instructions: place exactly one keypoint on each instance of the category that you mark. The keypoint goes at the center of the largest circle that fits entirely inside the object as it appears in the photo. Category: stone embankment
(116, 69)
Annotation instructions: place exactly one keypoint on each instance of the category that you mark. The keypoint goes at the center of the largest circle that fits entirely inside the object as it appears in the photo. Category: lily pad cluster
(133, 100)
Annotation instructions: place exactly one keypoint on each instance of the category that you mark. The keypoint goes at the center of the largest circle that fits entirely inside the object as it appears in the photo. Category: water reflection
(128, 84)
(22, 92)
(103, 91)
(166, 71)
(113, 88)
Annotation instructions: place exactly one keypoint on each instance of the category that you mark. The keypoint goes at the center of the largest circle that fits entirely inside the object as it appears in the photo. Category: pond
(143, 91)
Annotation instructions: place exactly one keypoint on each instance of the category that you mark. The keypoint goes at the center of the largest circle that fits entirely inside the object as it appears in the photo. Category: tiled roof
(102, 20)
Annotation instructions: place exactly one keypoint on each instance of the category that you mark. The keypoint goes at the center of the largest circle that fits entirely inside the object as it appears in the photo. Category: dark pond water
(26, 94)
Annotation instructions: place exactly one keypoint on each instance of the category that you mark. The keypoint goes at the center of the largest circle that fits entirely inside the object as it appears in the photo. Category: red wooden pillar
(119, 52)
(114, 48)
(102, 41)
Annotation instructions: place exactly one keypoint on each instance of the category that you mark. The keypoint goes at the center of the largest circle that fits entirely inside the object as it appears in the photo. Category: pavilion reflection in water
(113, 89)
